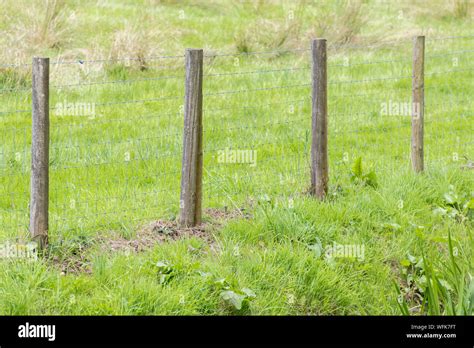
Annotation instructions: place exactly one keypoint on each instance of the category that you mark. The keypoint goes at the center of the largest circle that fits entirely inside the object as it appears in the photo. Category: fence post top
(194, 50)
(319, 43)
(36, 58)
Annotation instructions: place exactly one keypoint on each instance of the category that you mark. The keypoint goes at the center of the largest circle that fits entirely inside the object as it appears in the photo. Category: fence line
(211, 55)
(149, 171)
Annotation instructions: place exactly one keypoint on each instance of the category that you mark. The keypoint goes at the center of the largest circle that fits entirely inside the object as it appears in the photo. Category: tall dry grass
(461, 8)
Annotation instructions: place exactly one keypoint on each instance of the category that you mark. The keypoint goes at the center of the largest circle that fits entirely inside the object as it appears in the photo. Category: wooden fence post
(39, 199)
(319, 144)
(418, 104)
(191, 172)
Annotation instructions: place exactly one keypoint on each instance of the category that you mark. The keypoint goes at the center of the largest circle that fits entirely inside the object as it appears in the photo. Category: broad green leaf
(470, 204)
(233, 298)
(450, 198)
(412, 258)
(249, 292)
(439, 211)
(405, 263)
(316, 248)
(371, 179)
(222, 283)
(357, 167)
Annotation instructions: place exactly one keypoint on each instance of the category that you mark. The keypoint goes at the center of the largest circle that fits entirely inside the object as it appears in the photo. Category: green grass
(114, 173)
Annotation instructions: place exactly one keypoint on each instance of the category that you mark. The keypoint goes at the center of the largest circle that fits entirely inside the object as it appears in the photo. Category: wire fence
(116, 133)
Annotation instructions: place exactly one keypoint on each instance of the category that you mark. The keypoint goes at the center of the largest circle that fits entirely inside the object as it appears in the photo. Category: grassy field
(265, 247)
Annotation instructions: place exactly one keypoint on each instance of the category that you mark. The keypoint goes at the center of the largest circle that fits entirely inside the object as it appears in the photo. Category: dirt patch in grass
(75, 264)
(220, 216)
(75, 256)
(153, 233)
(161, 231)
(71, 257)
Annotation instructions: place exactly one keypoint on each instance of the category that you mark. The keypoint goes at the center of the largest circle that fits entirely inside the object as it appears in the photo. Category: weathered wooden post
(191, 172)
(319, 144)
(39, 200)
(418, 104)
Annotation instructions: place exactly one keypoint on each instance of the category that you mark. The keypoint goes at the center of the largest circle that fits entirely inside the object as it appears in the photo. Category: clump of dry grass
(267, 34)
(342, 24)
(51, 30)
(461, 8)
(130, 43)
(34, 28)
(133, 46)
(42, 25)
(351, 22)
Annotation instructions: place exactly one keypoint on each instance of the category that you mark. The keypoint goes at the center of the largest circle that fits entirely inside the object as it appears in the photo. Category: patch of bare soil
(72, 265)
(148, 236)
(72, 260)
(164, 231)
